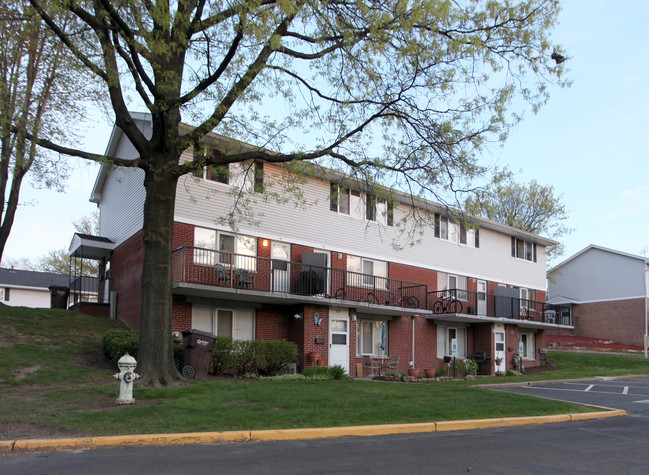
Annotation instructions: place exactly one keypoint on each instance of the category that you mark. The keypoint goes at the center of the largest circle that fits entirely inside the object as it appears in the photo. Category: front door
(499, 351)
(339, 339)
(280, 253)
(481, 295)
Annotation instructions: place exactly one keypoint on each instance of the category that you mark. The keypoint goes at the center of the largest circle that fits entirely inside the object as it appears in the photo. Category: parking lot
(631, 395)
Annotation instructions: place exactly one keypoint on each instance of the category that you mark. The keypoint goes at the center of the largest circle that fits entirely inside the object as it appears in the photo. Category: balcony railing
(193, 265)
(224, 269)
(499, 306)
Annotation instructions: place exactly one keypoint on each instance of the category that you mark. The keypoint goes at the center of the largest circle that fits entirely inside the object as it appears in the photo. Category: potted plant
(429, 373)
(412, 371)
(516, 360)
(313, 356)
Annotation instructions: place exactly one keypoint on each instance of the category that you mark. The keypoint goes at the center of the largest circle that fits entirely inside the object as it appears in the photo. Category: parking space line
(625, 390)
(589, 388)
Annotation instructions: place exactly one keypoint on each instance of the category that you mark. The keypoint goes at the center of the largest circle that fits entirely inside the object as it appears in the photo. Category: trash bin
(59, 296)
(197, 353)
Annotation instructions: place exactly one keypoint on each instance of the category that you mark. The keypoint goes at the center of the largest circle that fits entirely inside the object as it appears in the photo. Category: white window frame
(444, 341)
(243, 245)
(461, 284)
(214, 324)
(377, 328)
(529, 349)
(357, 265)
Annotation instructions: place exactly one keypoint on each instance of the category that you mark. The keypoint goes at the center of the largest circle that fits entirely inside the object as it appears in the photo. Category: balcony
(206, 273)
(477, 306)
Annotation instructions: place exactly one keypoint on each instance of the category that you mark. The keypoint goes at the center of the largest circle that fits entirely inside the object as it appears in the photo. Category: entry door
(339, 340)
(499, 351)
(280, 254)
(327, 289)
(482, 297)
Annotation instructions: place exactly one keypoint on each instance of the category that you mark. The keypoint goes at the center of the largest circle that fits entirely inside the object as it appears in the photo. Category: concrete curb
(87, 443)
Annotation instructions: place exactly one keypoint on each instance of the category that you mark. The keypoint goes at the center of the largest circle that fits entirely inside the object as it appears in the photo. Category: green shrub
(317, 372)
(242, 357)
(337, 372)
(442, 371)
(276, 354)
(511, 372)
(118, 341)
(469, 366)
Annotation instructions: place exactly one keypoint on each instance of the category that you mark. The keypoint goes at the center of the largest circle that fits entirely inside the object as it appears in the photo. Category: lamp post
(646, 337)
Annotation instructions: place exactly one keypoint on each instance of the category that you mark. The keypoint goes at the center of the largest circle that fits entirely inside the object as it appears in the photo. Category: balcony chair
(222, 273)
(244, 277)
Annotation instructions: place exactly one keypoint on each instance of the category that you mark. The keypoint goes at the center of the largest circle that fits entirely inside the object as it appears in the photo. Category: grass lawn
(54, 382)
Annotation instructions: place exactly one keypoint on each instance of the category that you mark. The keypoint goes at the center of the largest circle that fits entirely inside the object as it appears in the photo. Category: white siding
(598, 275)
(33, 298)
(204, 202)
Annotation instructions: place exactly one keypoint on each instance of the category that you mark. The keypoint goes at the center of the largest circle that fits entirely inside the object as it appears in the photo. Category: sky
(589, 142)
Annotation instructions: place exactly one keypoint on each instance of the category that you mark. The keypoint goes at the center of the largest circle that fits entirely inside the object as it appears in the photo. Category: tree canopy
(40, 89)
(403, 93)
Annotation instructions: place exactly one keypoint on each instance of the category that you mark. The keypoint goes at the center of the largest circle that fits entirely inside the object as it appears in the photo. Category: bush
(337, 372)
(511, 372)
(469, 366)
(317, 372)
(241, 357)
(118, 341)
(442, 371)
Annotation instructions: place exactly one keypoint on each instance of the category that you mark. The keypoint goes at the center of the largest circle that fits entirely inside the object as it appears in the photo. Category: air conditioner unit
(290, 368)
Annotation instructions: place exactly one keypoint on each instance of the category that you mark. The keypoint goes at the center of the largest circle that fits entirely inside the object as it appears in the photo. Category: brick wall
(125, 279)
(620, 320)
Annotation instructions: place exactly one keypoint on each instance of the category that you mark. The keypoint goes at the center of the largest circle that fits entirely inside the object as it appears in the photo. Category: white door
(482, 297)
(339, 340)
(499, 353)
(280, 254)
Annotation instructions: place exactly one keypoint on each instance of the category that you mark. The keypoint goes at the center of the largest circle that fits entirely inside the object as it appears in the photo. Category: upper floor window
(450, 231)
(360, 205)
(523, 249)
(213, 247)
(245, 176)
(366, 272)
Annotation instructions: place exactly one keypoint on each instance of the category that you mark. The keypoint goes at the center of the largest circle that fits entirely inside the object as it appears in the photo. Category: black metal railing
(84, 289)
(499, 306)
(225, 269)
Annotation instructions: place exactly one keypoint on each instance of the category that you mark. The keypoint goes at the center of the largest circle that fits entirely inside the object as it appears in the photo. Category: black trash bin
(197, 353)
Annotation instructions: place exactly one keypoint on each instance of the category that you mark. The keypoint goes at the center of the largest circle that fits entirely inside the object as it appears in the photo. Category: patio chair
(222, 273)
(369, 365)
(244, 277)
(393, 364)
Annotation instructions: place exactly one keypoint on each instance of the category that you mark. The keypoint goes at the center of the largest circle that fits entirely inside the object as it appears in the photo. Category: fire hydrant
(126, 377)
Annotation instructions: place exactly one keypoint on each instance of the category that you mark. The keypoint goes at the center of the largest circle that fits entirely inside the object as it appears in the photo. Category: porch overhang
(90, 247)
(282, 298)
(466, 318)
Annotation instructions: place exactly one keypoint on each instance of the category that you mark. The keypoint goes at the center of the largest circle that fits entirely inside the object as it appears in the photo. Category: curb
(197, 438)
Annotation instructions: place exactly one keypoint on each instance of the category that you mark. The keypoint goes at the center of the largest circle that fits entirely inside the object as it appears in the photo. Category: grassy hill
(55, 383)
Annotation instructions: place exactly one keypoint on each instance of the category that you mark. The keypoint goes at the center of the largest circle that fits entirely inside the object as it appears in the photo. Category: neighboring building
(606, 291)
(26, 288)
(327, 276)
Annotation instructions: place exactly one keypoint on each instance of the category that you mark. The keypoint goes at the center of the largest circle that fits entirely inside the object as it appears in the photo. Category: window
(238, 324)
(4, 294)
(469, 235)
(366, 272)
(360, 205)
(240, 175)
(529, 348)
(445, 335)
(208, 241)
(523, 249)
(527, 298)
(454, 282)
(372, 338)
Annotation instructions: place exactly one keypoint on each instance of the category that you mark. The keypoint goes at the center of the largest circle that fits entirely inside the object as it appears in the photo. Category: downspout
(413, 340)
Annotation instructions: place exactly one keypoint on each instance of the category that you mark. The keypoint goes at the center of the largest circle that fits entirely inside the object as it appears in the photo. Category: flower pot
(429, 373)
(414, 372)
(320, 362)
(313, 356)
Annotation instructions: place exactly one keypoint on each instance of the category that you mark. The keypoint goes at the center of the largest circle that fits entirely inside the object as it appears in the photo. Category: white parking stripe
(589, 388)
(625, 390)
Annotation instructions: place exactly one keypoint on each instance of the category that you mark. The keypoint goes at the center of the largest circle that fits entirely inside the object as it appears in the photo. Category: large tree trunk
(155, 356)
